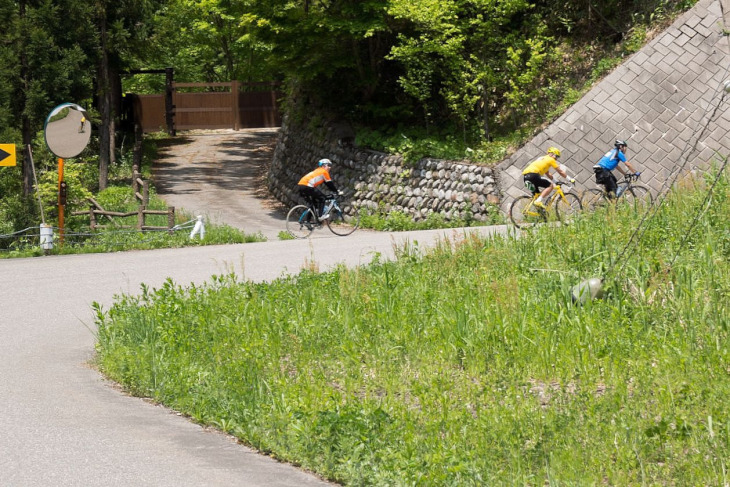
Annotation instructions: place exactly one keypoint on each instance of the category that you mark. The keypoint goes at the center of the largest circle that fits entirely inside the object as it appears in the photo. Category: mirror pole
(61, 202)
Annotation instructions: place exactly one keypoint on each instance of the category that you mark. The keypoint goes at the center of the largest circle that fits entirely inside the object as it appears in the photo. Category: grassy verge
(469, 366)
(119, 233)
(398, 221)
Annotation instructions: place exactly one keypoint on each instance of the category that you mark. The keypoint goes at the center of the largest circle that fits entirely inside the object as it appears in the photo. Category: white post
(199, 228)
(46, 237)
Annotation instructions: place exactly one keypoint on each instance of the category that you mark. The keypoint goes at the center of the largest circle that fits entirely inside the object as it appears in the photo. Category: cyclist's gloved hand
(572, 180)
(340, 193)
(637, 174)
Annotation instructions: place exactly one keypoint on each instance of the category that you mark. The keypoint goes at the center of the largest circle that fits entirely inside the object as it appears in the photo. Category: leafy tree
(210, 40)
(44, 63)
(122, 29)
(329, 50)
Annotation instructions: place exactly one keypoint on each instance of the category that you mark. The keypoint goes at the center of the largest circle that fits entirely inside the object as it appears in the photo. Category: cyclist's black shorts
(312, 196)
(606, 178)
(537, 181)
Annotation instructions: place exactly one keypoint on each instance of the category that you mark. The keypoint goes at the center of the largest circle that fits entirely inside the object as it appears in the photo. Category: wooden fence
(230, 105)
(96, 210)
(141, 213)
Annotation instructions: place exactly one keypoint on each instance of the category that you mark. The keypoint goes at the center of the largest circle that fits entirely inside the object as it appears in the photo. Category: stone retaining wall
(377, 181)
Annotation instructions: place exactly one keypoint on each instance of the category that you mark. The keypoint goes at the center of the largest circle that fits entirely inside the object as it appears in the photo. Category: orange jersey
(316, 177)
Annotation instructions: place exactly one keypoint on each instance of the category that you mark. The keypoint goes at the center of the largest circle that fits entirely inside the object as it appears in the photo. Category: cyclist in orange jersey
(308, 186)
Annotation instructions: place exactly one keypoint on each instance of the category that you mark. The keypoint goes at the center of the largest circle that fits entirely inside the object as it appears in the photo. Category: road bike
(302, 220)
(560, 206)
(627, 192)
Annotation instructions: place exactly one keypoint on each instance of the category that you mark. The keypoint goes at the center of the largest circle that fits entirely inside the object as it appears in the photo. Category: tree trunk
(26, 132)
(115, 101)
(485, 115)
(104, 103)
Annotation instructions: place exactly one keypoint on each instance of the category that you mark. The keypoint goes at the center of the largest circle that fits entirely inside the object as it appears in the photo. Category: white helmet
(324, 162)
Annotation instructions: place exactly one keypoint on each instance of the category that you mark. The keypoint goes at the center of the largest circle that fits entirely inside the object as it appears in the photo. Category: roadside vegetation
(465, 80)
(469, 365)
(453, 79)
(398, 221)
(81, 176)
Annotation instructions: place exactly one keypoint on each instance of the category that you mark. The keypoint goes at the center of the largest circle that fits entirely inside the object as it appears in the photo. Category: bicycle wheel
(638, 196)
(341, 226)
(594, 198)
(300, 221)
(567, 208)
(524, 214)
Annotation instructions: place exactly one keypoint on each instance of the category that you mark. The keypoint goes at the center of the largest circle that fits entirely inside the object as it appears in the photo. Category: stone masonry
(377, 181)
(667, 101)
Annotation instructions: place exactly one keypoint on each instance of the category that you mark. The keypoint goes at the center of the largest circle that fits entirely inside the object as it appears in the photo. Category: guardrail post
(46, 237)
(145, 192)
(92, 218)
(135, 175)
(198, 229)
(140, 217)
(170, 217)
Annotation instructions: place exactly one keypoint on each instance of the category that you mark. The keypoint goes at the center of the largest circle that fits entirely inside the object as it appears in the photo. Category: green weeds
(466, 366)
(397, 221)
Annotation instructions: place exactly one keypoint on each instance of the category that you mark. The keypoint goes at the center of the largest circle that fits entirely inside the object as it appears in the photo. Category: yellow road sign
(7, 155)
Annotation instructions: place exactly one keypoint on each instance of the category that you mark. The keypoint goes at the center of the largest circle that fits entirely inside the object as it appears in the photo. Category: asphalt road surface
(63, 424)
(221, 175)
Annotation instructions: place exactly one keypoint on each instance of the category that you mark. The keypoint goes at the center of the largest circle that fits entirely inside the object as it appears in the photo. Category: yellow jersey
(541, 165)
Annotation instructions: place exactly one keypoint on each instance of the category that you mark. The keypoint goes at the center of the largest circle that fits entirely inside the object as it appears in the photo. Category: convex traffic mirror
(67, 130)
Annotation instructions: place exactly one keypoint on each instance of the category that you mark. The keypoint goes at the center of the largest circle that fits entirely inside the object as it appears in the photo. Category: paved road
(62, 424)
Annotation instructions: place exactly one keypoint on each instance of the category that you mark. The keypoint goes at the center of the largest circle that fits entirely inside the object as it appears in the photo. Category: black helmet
(620, 143)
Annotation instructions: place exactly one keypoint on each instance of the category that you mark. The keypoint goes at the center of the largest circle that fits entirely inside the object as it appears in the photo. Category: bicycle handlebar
(563, 183)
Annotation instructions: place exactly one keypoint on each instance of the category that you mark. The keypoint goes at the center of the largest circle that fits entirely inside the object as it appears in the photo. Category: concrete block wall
(667, 101)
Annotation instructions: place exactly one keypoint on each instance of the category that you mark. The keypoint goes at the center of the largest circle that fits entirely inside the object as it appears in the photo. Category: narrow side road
(221, 175)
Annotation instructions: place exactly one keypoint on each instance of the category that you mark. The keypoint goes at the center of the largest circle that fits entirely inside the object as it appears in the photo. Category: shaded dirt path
(221, 175)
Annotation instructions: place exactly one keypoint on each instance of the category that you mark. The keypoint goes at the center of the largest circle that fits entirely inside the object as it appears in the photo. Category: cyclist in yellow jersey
(537, 175)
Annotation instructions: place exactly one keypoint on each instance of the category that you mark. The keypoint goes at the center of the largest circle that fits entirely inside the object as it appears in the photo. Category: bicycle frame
(559, 206)
(552, 199)
(302, 220)
(626, 190)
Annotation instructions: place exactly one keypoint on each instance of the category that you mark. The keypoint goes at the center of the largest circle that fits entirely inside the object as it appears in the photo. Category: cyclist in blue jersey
(611, 160)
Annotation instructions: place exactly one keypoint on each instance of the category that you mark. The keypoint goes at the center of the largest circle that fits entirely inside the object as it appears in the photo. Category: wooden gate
(231, 105)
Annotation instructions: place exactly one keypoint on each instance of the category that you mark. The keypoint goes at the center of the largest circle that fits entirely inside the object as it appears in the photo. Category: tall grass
(467, 366)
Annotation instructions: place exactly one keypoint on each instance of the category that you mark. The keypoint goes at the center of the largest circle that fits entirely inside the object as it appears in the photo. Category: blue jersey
(611, 159)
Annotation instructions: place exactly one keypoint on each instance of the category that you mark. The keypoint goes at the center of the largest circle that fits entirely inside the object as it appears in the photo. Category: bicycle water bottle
(621, 189)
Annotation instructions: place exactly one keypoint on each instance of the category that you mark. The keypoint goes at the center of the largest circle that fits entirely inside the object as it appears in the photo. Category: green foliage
(415, 144)
(81, 176)
(78, 177)
(205, 41)
(397, 221)
(467, 366)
